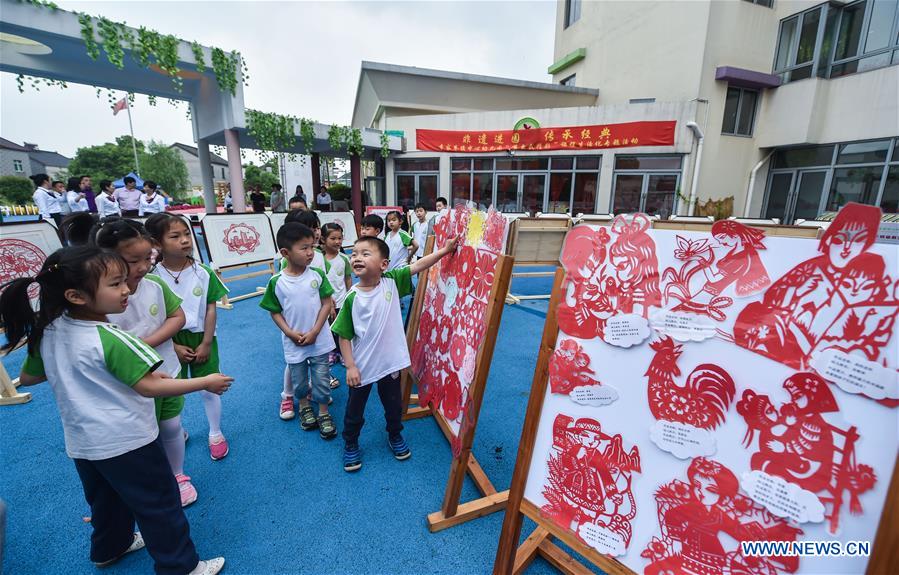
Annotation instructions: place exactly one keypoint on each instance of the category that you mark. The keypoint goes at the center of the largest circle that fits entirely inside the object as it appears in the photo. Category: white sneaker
(209, 566)
(138, 543)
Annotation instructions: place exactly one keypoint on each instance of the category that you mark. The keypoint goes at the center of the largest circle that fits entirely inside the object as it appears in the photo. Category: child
(401, 244)
(420, 229)
(103, 380)
(150, 201)
(107, 206)
(337, 269)
(199, 288)
(372, 225)
(299, 299)
(153, 314)
(373, 342)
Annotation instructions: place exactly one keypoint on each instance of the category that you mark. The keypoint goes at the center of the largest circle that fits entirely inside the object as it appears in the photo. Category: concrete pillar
(316, 178)
(206, 171)
(235, 169)
(356, 186)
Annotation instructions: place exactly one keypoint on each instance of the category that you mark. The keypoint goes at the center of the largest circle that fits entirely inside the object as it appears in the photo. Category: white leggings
(172, 435)
(212, 403)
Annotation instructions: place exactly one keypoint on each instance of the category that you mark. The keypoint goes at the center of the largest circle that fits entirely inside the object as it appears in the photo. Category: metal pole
(133, 143)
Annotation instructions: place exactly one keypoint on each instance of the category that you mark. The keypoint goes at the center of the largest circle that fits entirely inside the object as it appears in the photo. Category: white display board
(277, 219)
(712, 388)
(23, 248)
(238, 239)
(345, 220)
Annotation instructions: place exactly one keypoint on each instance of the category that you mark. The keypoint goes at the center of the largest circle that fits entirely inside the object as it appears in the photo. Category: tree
(106, 162)
(16, 191)
(166, 167)
(254, 175)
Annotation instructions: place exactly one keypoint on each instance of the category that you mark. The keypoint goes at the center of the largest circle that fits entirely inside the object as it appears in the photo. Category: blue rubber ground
(281, 502)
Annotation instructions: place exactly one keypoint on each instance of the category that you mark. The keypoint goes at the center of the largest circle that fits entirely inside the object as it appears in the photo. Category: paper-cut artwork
(841, 299)
(588, 487)
(238, 239)
(712, 273)
(241, 238)
(702, 522)
(19, 259)
(453, 319)
(608, 275)
(569, 368)
(797, 443)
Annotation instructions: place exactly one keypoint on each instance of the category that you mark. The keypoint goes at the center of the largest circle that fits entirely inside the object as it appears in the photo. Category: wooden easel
(536, 242)
(9, 395)
(226, 302)
(451, 511)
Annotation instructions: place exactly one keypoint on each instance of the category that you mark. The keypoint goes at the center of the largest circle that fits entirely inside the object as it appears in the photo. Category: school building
(780, 109)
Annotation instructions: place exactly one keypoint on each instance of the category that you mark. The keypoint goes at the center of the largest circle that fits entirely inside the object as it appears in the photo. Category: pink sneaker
(188, 491)
(287, 409)
(218, 449)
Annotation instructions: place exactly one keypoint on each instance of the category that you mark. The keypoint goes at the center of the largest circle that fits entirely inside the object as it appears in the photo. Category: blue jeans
(315, 371)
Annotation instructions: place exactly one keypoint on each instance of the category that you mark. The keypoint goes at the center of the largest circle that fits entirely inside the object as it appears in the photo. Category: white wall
(298, 172)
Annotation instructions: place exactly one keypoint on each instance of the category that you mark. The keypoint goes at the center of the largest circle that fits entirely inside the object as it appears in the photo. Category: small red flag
(119, 106)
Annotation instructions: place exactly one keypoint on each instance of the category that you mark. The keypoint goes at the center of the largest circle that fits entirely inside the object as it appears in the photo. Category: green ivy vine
(345, 137)
(41, 4)
(225, 66)
(385, 145)
(35, 82)
(109, 32)
(198, 56)
(87, 34)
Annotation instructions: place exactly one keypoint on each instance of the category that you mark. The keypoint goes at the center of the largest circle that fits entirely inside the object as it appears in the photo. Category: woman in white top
(151, 202)
(46, 200)
(107, 206)
(75, 197)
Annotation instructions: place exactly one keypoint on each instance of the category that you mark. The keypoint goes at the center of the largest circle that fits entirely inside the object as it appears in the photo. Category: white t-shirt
(399, 243)
(299, 299)
(107, 206)
(323, 199)
(75, 204)
(420, 233)
(92, 367)
(148, 308)
(196, 285)
(373, 321)
(337, 270)
(47, 202)
(150, 205)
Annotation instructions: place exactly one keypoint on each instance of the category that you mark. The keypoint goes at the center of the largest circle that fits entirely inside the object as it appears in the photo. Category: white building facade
(796, 102)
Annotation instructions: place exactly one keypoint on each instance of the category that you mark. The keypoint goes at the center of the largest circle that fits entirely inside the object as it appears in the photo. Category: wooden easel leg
(437, 521)
(453, 513)
(417, 413)
(528, 550)
(224, 303)
(9, 395)
(560, 559)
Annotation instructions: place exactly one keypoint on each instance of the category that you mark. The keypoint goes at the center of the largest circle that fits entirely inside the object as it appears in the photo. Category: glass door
(405, 191)
(628, 191)
(779, 196)
(533, 190)
(507, 193)
(427, 191)
(809, 192)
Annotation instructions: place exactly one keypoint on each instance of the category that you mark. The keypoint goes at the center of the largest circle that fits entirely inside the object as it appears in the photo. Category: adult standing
(151, 202)
(323, 200)
(300, 193)
(129, 198)
(107, 206)
(75, 196)
(46, 200)
(229, 202)
(257, 198)
(85, 187)
(279, 201)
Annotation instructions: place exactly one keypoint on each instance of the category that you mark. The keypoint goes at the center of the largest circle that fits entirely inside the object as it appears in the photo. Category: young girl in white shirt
(199, 288)
(402, 245)
(337, 270)
(154, 315)
(103, 385)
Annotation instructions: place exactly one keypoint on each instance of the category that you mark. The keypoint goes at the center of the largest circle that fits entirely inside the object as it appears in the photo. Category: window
(796, 45)
(416, 182)
(17, 166)
(766, 3)
(647, 184)
(569, 81)
(223, 173)
(572, 12)
(641, 101)
(739, 111)
(854, 185)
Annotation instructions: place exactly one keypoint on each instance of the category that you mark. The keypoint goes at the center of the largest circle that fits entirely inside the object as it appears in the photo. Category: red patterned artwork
(569, 368)
(703, 521)
(241, 238)
(18, 259)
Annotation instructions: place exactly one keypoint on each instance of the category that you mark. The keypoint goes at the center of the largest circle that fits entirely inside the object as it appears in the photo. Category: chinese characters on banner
(762, 405)
(625, 135)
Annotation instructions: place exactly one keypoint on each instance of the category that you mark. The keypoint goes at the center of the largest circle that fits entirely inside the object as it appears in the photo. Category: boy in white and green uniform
(299, 299)
(373, 341)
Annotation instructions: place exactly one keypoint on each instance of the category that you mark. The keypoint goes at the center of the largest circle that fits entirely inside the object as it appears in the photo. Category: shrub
(16, 191)
(339, 192)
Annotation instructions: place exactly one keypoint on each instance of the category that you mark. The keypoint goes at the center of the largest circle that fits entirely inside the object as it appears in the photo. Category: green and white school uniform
(318, 261)
(92, 367)
(337, 270)
(420, 233)
(373, 322)
(299, 300)
(398, 243)
(148, 308)
(197, 286)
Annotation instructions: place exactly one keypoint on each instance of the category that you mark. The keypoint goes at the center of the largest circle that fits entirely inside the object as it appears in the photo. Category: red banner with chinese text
(624, 135)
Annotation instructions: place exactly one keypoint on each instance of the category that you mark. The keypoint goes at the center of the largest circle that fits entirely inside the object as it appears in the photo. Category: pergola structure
(46, 43)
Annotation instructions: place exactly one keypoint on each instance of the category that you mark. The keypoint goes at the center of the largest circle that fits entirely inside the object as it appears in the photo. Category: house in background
(189, 154)
(28, 159)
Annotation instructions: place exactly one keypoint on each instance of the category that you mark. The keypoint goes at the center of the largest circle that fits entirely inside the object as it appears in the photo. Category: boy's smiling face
(367, 261)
